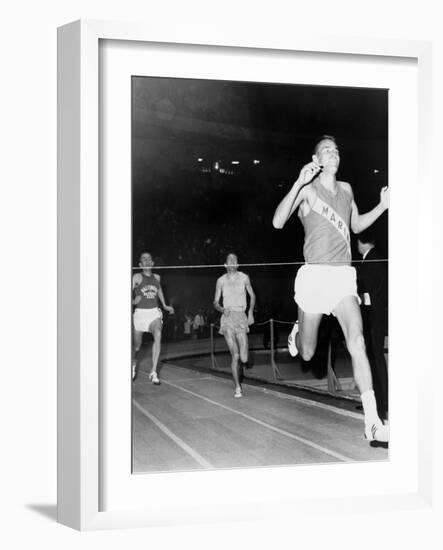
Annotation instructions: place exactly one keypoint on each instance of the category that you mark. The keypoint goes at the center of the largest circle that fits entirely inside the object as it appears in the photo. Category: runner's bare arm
(360, 222)
(296, 195)
(136, 280)
(161, 296)
(251, 293)
(217, 296)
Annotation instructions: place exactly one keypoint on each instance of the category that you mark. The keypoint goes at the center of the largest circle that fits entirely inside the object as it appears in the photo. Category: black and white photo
(258, 187)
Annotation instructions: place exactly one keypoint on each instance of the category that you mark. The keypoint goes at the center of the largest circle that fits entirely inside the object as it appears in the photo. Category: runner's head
(231, 262)
(146, 260)
(326, 154)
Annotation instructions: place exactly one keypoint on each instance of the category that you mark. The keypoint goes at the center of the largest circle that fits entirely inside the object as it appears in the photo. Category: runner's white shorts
(320, 288)
(234, 321)
(144, 317)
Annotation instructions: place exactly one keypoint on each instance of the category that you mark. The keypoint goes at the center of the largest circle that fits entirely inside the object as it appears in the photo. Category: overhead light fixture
(235, 162)
(255, 161)
(376, 171)
(200, 159)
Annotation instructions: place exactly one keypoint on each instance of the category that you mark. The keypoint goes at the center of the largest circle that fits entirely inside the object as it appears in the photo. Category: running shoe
(377, 432)
(292, 348)
(154, 378)
(238, 393)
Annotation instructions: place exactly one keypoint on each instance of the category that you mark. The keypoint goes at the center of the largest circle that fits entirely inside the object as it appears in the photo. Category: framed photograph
(174, 156)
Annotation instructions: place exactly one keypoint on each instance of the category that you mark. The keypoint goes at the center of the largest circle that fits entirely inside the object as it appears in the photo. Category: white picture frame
(80, 389)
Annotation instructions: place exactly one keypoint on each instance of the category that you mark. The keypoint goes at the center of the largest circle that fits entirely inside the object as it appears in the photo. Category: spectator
(187, 325)
(373, 289)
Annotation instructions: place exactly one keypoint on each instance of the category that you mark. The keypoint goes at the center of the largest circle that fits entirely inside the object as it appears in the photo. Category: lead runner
(327, 282)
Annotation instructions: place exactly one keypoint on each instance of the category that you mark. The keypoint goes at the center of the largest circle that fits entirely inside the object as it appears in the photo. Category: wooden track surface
(192, 421)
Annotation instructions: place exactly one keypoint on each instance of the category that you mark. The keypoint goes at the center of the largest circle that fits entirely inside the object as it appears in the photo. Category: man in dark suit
(373, 290)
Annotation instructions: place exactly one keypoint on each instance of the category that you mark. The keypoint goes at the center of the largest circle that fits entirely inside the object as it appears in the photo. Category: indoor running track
(192, 421)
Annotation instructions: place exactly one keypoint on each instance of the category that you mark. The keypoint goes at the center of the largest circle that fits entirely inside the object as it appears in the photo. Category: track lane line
(177, 440)
(149, 383)
(303, 400)
(300, 439)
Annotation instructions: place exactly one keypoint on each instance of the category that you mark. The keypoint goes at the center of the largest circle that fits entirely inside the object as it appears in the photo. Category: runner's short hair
(231, 254)
(322, 138)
